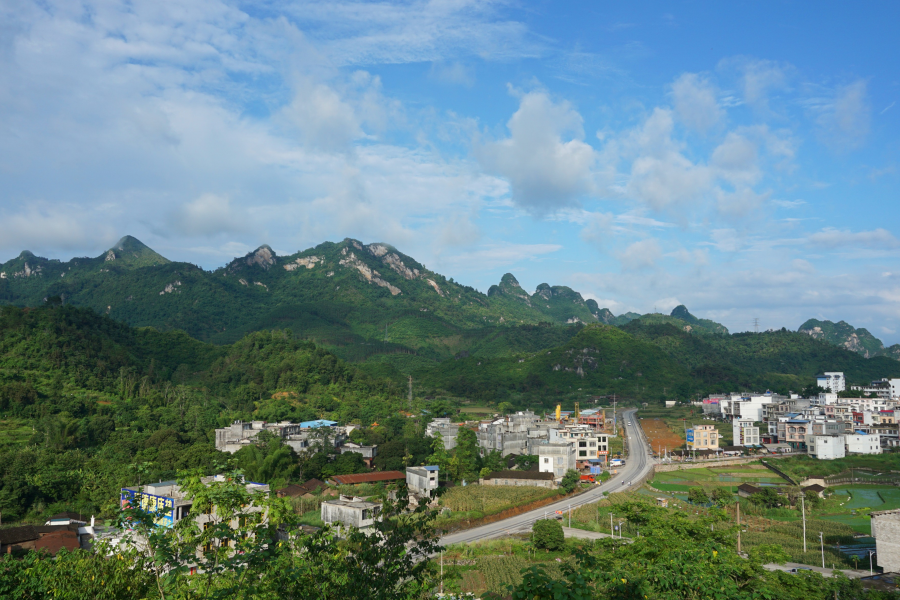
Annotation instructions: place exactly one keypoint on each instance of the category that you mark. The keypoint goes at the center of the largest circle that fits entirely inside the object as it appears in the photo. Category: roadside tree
(548, 535)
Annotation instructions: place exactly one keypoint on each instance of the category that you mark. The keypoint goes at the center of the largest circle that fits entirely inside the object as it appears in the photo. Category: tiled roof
(17, 535)
(369, 477)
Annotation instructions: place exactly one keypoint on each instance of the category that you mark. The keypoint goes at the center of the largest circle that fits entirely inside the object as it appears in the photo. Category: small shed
(818, 489)
(745, 490)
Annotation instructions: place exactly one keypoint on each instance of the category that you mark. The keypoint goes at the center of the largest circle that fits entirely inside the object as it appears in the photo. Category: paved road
(637, 464)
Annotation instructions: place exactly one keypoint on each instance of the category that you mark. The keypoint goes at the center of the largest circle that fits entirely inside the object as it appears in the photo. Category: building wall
(832, 381)
(863, 444)
(556, 458)
(546, 483)
(447, 430)
(420, 480)
(827, 447)
(349, 515)
(705, 437)
(886, 531)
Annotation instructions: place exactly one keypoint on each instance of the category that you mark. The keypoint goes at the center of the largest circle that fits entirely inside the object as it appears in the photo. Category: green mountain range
(846, 336)
(357, 299)
(375, 306)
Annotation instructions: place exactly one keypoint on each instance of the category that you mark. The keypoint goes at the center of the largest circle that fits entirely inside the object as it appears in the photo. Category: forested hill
(356, 299)
(846, 336)
(88, 404)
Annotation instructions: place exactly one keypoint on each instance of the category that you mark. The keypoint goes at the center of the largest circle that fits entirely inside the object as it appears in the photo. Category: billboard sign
(690, 436)
(165, 507)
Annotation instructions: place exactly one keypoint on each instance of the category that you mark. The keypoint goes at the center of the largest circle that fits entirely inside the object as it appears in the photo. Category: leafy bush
(548, 534)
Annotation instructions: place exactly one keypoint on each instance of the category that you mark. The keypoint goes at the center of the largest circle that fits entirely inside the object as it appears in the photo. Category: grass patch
(803, 467)
(14, 432)
(477, 501)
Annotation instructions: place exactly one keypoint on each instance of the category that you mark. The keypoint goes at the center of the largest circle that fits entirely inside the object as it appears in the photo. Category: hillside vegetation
(102, 405)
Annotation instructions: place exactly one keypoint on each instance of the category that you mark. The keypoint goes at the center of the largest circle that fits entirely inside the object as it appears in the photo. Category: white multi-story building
(883, 388)
(858, 443)
(588, 443)
(832, 381)
(825, 447)
(745, 432)
(747, 406)
(556, 457)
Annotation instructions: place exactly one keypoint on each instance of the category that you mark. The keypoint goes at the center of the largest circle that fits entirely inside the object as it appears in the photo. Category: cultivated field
(729, 476)
(660, 435)
(489, 499)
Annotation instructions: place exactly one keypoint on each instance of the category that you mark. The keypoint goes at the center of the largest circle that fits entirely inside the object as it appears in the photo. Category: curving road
(637, 464)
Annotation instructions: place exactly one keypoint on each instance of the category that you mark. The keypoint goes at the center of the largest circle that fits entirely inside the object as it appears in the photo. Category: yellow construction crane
(558, 412)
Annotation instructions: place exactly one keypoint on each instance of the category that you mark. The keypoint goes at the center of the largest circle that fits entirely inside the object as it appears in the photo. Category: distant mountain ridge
(845, 335)
(369, 296)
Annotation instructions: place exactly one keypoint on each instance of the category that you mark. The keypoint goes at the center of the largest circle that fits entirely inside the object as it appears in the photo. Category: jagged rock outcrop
(843, 334)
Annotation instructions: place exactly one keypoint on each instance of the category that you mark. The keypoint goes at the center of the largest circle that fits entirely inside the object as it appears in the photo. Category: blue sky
(740, 158)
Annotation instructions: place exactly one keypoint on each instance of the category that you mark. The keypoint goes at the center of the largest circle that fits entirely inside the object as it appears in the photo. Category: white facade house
(826, 447)
(588, 443)
(832, 381)
(859, 443)
(422, 480)
(556, 458)
(883, 388)
(744, 432)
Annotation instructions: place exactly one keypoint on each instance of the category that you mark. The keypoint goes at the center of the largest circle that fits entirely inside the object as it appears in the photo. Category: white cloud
(844, 116)
(695, 102)
(546, 171)
(456, 231)
(661, 175)
(640, 255)
(739, 203)
(209, 214)
(831, 237)
(44, 226)
(736, 160)
(419, 31)
(788, 203)
(454, 73)
(758, 78)
(597, 229)
(495, 255)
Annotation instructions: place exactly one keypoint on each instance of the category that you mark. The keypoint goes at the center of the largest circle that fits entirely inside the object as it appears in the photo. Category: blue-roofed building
(422, 480)
(317, 423)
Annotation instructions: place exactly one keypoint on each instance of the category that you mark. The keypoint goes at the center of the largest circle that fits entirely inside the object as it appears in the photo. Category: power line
(756, 324)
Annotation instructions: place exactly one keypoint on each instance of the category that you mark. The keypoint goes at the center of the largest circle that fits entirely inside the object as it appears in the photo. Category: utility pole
(803, 511)
(738, 505)
(822, 543)
(615, 423)
(409, 397)
(871, 570)
(611, 533)
(442, 572)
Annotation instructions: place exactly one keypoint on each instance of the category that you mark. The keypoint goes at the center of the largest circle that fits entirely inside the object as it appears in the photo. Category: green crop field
(712, 477)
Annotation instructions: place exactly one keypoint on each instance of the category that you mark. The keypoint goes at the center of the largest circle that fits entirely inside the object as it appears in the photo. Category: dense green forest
(88, 405)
